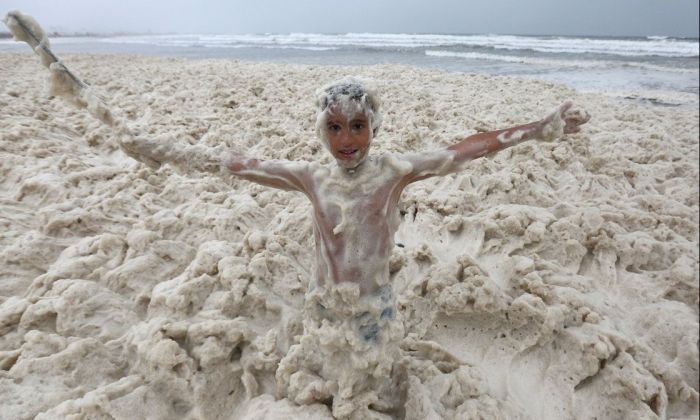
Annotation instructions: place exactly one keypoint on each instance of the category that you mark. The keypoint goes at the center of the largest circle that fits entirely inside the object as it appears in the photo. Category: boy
(350, 343)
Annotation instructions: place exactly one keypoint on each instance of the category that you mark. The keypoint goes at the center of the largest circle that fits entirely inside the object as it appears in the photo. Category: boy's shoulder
(394, 161)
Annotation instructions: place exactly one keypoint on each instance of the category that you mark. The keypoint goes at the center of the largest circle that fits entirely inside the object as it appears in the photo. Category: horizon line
(87, 34)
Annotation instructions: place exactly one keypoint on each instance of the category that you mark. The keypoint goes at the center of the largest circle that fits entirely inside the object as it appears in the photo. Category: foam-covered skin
(566, 119)
(65, 84)
(355, 208)
(37, 36)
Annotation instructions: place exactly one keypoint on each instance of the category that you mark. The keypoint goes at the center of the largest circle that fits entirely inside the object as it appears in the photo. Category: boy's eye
(358, 126)
(333, 127)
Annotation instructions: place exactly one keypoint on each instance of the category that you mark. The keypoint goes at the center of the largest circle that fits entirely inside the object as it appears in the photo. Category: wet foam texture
(552, 280)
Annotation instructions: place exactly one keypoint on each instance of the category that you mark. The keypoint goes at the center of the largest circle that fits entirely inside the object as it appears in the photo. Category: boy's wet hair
(348, 95)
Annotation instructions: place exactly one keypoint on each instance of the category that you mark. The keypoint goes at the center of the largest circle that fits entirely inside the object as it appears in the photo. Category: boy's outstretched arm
(564, 120)
(283, 174)
(63, 82)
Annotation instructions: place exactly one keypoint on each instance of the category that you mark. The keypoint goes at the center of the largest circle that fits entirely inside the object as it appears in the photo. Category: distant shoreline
(7, 35)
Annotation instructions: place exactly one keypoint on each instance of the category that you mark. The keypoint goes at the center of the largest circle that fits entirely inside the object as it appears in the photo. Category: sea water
(655, 69)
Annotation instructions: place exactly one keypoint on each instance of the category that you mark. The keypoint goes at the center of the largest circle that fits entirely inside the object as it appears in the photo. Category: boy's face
(348, 139)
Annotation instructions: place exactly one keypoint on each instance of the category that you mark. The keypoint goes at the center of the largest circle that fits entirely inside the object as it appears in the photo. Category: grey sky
(562, 17)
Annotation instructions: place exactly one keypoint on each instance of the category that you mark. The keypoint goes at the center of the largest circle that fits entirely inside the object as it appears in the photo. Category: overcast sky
(533, 17)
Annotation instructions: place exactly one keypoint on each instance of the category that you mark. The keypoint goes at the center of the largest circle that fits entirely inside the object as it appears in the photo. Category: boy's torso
(355, 218)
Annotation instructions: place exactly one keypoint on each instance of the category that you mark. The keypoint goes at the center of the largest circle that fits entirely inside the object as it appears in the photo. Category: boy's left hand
(573, 117)
(566, 119)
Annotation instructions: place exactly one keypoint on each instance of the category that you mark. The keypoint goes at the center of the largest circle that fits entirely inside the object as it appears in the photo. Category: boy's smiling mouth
(347, 153)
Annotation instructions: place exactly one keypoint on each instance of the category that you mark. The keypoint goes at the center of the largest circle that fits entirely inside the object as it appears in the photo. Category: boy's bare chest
(362, 204)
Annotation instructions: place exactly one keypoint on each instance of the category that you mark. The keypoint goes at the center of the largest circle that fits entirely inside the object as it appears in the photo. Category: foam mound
(554, 280)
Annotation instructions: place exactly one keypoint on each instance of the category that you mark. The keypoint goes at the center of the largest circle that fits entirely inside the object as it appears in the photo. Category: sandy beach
(550, 281)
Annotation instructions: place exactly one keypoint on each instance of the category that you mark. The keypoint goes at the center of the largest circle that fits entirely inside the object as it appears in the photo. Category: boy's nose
(345, 138)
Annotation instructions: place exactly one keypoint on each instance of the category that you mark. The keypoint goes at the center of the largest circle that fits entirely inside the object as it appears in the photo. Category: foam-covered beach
(553, 280)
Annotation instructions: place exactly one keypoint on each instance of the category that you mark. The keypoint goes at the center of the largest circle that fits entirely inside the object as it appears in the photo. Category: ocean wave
(570, 45)
(657, 37)
(649, 46)
(555, 62)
